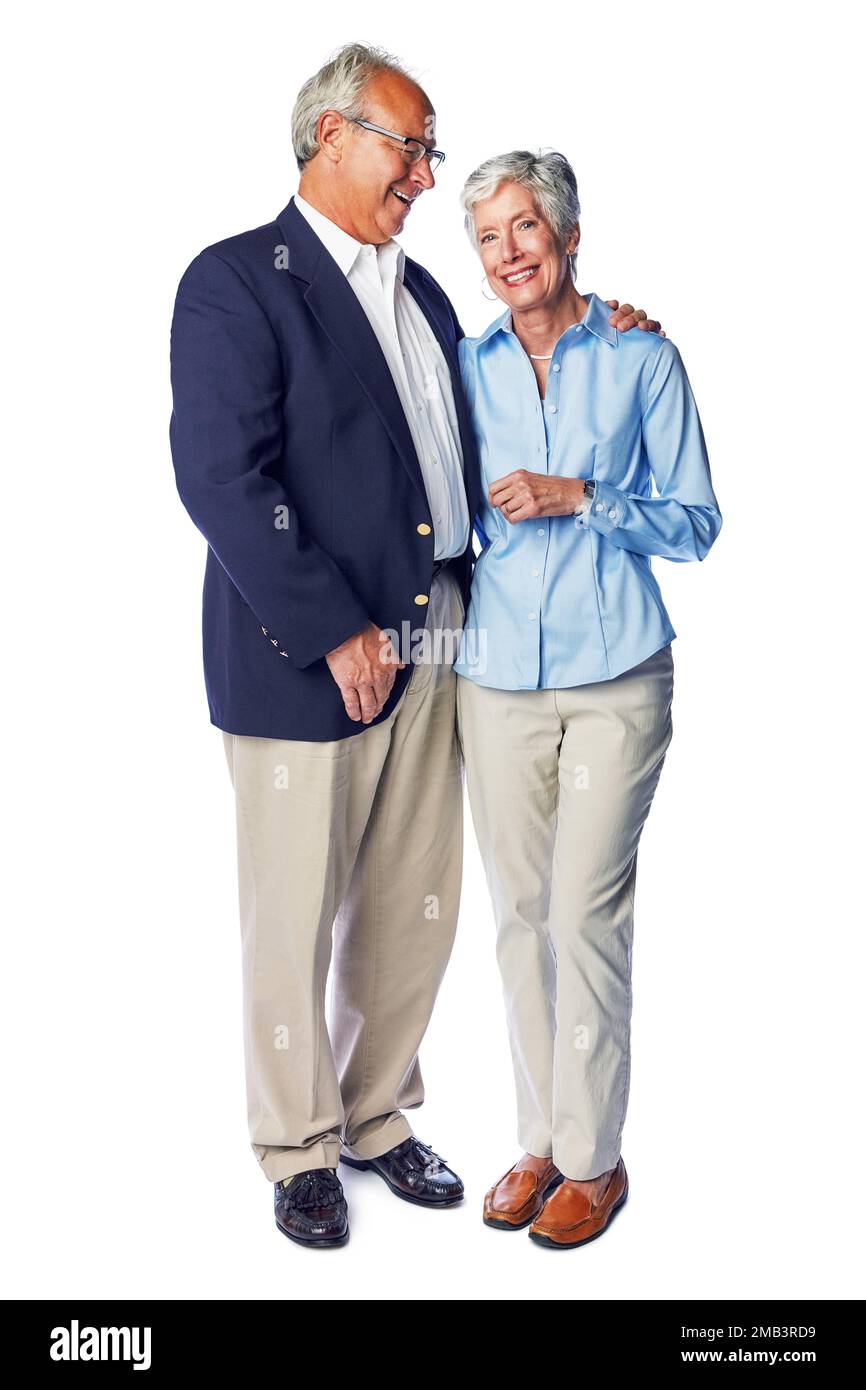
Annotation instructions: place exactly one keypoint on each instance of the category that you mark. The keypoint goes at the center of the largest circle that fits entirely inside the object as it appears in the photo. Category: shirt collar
(595, 320)
(344, 248)
(391, 253)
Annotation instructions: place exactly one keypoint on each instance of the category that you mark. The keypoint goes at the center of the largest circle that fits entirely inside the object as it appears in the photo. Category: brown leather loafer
(518, 1196)
(311, 1209)
(414, 1172)
(568, 1218)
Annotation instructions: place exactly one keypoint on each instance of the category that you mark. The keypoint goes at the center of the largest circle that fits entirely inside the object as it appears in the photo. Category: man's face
(377, 186)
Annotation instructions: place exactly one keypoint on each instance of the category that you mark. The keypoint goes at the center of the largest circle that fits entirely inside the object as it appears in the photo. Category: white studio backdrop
(715, 148)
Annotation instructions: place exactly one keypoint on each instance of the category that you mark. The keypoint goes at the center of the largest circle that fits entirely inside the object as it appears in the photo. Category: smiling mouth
(520, 277)
(404, 198)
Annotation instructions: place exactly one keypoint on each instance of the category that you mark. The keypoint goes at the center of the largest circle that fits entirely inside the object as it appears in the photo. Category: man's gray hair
(547, 175)
(337, 86)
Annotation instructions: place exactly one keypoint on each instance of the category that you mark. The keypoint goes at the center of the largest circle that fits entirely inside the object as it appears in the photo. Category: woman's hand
(522, 495)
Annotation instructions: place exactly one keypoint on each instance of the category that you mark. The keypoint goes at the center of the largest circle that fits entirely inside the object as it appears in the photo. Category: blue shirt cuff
(607, 509)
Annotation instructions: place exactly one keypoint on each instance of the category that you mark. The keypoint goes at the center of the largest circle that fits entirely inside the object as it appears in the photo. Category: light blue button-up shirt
(565, 600)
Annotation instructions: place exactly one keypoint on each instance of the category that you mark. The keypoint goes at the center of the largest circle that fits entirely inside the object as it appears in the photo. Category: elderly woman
(566, 673)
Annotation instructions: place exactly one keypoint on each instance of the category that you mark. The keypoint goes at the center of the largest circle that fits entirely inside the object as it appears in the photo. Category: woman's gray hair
(547, 175)
(337, 86)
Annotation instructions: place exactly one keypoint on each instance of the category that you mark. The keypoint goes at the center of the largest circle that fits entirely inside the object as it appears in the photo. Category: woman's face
(522, 260)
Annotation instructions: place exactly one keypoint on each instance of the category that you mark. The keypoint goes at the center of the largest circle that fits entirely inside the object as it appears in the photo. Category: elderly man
(322, 446)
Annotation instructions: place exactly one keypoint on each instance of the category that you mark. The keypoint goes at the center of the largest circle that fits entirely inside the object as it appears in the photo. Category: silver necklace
(541, 356)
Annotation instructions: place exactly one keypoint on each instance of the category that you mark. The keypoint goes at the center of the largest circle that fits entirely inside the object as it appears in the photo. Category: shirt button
(536, 573)
(423, 529)
(531, 616)
(612, 513)
(541, 530)
(553, 410)
(555, 367)
(599, 506)
(434, 462)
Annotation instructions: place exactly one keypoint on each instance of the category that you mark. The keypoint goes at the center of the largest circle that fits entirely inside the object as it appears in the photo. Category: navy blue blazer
(293, 456)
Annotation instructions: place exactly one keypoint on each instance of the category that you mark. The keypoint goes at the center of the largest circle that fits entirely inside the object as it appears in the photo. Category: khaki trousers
(560, 784)
(350, 849)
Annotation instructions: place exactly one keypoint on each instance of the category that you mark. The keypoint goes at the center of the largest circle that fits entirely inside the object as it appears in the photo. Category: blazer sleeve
(684, 520)
(226, 443)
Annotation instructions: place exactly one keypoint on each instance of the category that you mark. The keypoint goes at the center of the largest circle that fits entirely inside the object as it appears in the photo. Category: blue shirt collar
(595, 320)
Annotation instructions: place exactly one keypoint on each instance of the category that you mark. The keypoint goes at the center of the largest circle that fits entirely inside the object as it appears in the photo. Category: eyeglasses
(413, 150)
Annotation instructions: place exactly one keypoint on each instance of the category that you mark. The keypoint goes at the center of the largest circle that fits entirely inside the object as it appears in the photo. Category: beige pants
(353, 845)
(560, 783)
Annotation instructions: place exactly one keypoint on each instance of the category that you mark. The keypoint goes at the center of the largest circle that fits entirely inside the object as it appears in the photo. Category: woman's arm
(684, 520)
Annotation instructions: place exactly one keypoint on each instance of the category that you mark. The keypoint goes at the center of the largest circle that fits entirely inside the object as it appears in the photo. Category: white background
(719, 167)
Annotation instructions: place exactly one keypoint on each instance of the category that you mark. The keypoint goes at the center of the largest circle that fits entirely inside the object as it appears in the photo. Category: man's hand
(521, 495)
(627, 317)
(365, 667)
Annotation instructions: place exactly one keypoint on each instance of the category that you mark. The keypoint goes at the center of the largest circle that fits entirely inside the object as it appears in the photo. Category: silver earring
(486, 282)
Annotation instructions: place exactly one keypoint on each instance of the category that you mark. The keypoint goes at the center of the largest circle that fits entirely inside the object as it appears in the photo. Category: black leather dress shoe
(414, 1172)
(311, 1209)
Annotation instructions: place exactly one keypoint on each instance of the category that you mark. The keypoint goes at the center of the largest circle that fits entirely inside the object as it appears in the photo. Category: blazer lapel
(443, 329)
(335, 305)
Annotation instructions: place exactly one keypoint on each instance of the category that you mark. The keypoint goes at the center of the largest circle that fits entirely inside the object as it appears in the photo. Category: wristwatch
(586, 500)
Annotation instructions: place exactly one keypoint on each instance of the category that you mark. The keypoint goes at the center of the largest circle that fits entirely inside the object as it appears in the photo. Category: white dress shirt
(418, 367)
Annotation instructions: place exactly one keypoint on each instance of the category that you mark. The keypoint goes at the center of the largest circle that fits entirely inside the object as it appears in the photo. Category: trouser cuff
(388, 1136)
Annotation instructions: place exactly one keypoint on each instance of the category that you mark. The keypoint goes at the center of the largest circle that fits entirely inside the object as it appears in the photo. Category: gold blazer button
(421, 598)
(423, 529)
